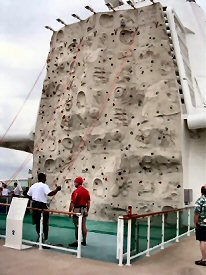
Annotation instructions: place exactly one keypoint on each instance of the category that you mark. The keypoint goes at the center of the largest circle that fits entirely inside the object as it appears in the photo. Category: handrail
(124, 217)
(137, 216)
(47, 210)
(11, 195)
(5, 204)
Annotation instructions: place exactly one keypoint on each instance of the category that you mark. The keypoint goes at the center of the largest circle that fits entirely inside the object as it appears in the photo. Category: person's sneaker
(46, 242)
(75, 244)
(200, 262)
(197, 262)
(84, 243)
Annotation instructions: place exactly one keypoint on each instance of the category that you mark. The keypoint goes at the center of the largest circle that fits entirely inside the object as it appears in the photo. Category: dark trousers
(36, 216)
(83, 211)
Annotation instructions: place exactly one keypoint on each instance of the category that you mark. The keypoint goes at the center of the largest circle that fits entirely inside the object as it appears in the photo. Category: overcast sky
(24, 45)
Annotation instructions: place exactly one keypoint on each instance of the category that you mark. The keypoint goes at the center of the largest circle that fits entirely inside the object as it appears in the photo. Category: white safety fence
(129, 255)
(40, 244)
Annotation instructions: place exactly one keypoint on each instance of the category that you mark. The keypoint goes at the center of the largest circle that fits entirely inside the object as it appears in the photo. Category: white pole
(163, 231)
(148, 237)
(41, 232)
(121, 241)
(118, 236)
(178, 227)
(79, 236)
(129, 233)
(188, 226)
(7, 201)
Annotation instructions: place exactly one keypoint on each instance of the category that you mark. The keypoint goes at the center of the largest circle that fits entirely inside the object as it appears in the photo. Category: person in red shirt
(80, 203)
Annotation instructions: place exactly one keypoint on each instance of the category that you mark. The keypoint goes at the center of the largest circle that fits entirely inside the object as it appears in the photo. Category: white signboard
(14, 223)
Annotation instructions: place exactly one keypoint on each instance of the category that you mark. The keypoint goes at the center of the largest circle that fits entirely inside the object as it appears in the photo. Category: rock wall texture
(110, 113)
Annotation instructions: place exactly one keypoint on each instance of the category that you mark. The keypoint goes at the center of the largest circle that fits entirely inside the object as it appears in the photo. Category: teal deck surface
(101, 240)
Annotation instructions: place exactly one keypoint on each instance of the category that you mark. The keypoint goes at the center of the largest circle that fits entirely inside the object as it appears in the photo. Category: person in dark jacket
(200, 225)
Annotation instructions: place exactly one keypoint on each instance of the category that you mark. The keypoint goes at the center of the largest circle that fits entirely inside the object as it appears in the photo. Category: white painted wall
(196, 169)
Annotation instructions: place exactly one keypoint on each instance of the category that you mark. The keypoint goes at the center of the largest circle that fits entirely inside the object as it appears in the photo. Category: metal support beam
(89, 9)
(131, 4)
(76, 16)
(109, 6)
(49, 28)
(61, 21)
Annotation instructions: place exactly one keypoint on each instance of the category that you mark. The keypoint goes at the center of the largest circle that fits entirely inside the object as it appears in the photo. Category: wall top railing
(137, 216)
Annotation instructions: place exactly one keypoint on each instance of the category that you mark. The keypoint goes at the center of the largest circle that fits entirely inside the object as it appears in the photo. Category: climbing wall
(110, 113)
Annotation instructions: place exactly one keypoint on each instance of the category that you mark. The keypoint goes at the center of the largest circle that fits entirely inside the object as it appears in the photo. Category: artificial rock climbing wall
(110, 113)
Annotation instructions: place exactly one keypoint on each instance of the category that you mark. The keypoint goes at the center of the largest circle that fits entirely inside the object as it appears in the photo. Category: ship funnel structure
(114, 3)
(187, 46)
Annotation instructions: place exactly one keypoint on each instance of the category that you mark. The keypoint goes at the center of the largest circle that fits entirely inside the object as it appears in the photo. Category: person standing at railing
(24, 193)
(80, 203)
(16, 192)
(39, 192)
(5, 191)
(200, 225)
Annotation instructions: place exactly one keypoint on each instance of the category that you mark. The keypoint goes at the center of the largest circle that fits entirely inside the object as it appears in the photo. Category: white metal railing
(121, 256)
(40, 243)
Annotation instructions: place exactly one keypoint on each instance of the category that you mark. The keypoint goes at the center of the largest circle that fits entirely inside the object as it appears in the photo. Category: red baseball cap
(79, 180)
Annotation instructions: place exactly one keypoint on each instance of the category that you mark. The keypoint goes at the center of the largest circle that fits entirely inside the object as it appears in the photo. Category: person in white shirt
(5, 191)
(39, 192)
(16, 192)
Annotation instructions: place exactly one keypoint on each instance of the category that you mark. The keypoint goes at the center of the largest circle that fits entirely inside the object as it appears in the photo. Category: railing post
(118, 237)
(7, 201)
(129, 233)
(121, 241)
(41, 232)
(148, 237)
(163, 232)
(188, 225)
(178, 226)
(79, 236)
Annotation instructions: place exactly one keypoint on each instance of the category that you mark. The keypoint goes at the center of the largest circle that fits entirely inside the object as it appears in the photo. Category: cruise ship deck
(176, 259)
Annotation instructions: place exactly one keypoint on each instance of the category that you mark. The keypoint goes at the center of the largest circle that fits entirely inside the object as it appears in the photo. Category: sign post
(14, 223)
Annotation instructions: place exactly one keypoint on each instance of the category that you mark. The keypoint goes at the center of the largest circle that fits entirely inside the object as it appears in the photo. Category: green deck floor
(101, 241)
